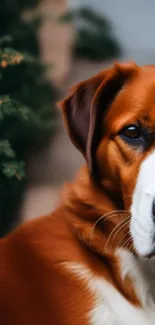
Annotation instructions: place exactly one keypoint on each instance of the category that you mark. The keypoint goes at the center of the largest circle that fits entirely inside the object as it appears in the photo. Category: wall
(133, 24)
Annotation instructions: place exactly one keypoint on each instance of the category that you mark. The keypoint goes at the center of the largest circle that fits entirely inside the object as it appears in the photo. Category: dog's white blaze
(110, 307)
(142, 224)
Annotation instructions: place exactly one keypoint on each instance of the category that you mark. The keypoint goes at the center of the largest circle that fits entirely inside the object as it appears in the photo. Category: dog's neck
(85, 203)
(92, 211)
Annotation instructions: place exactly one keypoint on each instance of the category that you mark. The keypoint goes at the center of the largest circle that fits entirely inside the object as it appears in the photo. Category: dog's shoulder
(33, 274)
(45, 237)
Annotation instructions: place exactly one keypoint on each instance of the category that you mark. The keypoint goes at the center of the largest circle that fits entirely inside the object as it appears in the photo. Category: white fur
(142, 224)
(110, 307)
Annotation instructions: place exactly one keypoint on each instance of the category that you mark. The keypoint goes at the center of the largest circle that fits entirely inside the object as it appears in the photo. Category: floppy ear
(87, 102)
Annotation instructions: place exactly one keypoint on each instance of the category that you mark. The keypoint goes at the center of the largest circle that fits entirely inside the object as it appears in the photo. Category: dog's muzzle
(142, 226)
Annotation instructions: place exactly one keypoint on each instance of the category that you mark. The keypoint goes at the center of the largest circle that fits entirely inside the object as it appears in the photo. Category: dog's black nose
(153, 209)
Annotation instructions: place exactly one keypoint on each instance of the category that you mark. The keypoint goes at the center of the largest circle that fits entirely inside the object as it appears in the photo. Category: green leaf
(5, 38)
(5, 149)
(14, 169)
(24, 112)
(9, 107)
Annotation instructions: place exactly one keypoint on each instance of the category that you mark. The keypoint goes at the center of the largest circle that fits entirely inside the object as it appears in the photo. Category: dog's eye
(135, 136)
(131, 132)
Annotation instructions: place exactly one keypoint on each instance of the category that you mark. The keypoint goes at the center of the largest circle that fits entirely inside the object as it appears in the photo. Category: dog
(88, 263)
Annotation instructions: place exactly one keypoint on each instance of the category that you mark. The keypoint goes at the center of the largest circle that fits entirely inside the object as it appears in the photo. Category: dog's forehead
(135, 101)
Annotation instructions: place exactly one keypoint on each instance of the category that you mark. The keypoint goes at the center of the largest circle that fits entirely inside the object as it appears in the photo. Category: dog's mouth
(151, 255)
(143, 236)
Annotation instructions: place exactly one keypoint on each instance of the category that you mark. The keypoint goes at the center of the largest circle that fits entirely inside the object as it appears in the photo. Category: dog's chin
(142, 253)
(143, 241)
(151, 255)
(142, 230)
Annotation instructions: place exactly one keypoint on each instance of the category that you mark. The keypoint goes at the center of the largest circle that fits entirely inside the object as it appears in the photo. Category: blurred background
(45, 47)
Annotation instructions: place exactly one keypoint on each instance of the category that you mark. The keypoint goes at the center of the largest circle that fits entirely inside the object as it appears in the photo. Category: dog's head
(111, 120)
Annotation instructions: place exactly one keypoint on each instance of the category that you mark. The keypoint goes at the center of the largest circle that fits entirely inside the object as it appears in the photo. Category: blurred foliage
(12, 9)
(27, 105)
(94, 39)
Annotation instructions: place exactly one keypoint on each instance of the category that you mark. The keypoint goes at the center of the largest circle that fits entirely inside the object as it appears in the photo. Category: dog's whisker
(127, 242)
(125, 224)
(119, 224)
(121, 241)
(108, 216)
(101, 218)
(131, 246)
(128, 233)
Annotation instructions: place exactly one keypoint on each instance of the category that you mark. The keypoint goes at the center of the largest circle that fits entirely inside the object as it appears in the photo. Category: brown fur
(35, 286)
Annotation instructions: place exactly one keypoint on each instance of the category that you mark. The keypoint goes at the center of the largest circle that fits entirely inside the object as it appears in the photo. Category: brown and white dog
(87, 263)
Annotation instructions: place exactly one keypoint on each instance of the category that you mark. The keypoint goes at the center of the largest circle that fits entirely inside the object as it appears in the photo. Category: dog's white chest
(111, 308)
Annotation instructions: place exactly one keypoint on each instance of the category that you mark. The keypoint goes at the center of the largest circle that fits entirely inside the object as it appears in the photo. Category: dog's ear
(89, 99)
